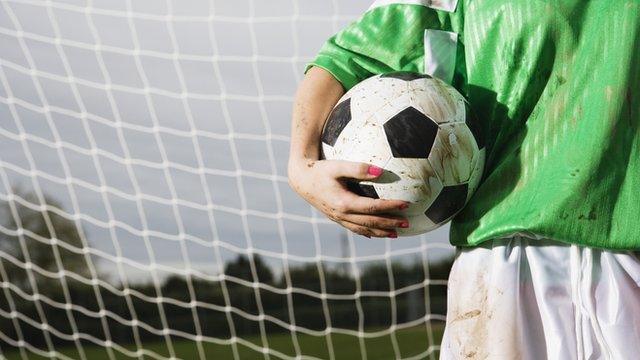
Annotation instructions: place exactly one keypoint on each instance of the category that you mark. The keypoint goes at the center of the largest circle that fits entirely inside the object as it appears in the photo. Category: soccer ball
(421, 132)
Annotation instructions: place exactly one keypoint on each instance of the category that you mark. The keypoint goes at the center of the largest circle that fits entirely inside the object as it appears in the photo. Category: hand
(322, 184)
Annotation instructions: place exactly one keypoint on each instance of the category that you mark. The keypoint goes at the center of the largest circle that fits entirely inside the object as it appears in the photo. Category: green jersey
(556, 86)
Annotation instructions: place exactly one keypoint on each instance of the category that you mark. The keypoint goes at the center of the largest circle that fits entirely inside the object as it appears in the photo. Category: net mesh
(144, 205)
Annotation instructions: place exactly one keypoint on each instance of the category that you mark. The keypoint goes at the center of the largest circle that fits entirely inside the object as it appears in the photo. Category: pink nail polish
(404, 224)
(393, 235)
(374, 170)
(403, 206)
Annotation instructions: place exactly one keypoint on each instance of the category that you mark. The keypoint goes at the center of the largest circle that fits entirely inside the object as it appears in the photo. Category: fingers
(372, 225)
(376, 222)
(354, 204)
(362, 215)
(369, 232)
(353, 170)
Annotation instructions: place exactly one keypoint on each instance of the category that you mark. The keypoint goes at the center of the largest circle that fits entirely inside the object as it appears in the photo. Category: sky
(162, 129)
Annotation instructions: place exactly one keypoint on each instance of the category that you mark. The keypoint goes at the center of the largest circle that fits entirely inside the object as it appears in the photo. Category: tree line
(293, 297)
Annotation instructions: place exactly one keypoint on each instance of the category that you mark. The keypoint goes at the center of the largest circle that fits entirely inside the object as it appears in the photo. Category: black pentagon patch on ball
(450, 200)
(405, 75)
(362, 189)
(411, 134)
(337, 120)
(474, 125)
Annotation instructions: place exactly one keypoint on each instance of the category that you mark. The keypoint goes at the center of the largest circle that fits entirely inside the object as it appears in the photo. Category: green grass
(411, 342)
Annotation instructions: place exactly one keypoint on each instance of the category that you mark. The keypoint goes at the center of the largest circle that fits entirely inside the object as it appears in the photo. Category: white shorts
(520, 298)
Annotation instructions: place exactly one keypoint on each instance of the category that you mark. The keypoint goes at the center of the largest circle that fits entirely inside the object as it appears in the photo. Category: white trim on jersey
(440, 54)
(446, 5)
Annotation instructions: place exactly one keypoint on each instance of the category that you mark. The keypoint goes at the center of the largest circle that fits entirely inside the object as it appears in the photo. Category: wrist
(300, 163)
(302, 153)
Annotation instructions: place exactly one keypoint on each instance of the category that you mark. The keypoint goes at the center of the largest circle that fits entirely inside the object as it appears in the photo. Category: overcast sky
(183, 108)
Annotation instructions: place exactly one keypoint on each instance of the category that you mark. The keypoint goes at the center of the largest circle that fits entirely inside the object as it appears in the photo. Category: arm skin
(322, 182)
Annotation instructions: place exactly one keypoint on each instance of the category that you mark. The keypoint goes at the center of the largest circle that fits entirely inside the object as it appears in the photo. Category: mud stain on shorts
(468, 315)
(476, 327)
(468, 321)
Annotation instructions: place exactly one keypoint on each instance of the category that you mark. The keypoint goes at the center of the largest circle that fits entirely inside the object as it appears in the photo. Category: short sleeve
(388, 37)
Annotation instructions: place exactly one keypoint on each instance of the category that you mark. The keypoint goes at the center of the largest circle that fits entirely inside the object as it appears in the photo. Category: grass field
(411, 342)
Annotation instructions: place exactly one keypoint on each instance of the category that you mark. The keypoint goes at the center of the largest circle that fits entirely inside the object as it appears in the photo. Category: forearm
(318, 92)
(321, 183)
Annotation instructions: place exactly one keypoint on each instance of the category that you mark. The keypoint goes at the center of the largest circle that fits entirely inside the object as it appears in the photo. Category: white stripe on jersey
(446, 5)
(440, 54)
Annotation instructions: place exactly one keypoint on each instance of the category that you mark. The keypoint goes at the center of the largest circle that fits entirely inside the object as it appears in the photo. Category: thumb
(355, 170)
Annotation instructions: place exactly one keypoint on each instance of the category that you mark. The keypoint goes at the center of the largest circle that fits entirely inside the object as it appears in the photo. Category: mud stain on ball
(452, 153)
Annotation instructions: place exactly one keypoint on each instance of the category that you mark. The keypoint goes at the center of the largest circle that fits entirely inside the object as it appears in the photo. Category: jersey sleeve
(388, 37)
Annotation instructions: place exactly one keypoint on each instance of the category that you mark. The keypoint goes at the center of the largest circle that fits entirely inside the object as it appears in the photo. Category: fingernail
(404, 224)
(403, 206)
(393, 235)
(374, 170)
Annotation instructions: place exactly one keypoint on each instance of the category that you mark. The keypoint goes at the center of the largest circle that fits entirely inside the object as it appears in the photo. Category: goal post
(144, 204)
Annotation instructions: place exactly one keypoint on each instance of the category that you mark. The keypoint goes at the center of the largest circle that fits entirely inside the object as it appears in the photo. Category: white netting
(144, 205)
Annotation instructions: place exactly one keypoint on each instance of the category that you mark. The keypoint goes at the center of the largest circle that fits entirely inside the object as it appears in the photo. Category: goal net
(144, 205)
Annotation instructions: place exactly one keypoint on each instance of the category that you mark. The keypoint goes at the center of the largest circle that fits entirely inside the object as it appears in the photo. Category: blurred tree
(38, 224)
(241, 269)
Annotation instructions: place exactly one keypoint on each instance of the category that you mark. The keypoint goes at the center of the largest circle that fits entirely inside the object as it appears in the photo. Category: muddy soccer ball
(421, 131)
